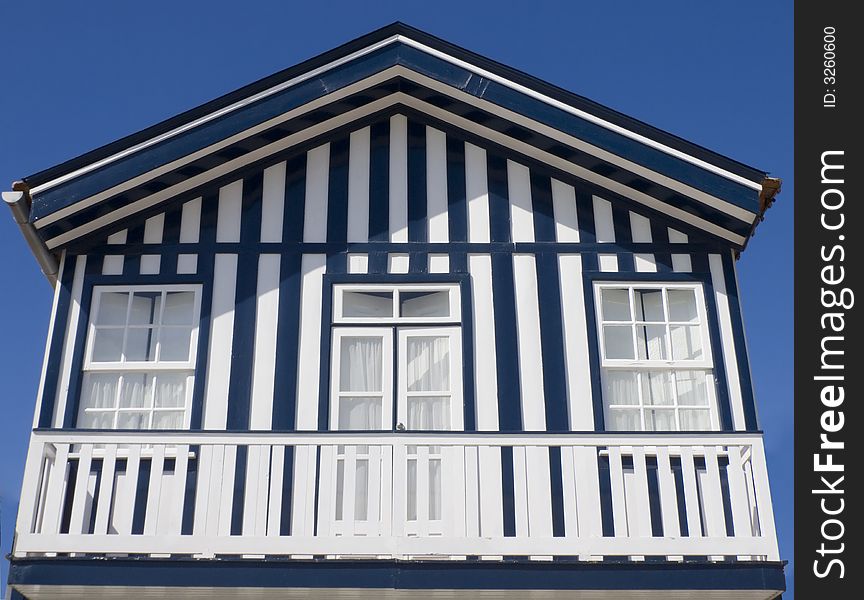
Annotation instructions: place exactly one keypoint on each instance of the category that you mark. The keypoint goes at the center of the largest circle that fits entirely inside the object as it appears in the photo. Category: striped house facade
(235, 457)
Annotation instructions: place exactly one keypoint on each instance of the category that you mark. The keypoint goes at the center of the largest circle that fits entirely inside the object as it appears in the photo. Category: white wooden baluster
(422, 525)
(691, 493)
(174, 521)
(668, 493)
(214, 490)
(277, 470)
(538, 480)
(453, 486)
(154, 489)
(520, 491)
(568, 485)
(472, 493)
(491, 500)
(202, 489)
(400, 483)
(106, 489)
(259, 502)
(226, 501)
(252, 491)
(123, 523)
(763, 500)
(56, 489)
(327, 510)
(588, 494)
(640, 524)
(741, 523)
(387, 490)
(349, 491)
(373, 508)
(712, 495)
(619, 505)
(34, 474)
(79, 500)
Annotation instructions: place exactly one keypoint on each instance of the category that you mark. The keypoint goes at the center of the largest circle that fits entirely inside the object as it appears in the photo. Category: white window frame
(706, 364)
(455, 316)
(123, 367)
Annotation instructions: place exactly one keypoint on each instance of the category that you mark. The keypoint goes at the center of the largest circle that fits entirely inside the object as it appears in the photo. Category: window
(140, 357)
(657, 368)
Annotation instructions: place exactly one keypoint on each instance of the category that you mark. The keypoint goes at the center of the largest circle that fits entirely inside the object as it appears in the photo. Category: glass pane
(624, 419)
(618, 340)
(656, 388)
(435, 490)
(174, 343)
(96, 420)
(648, 305)
(692, 388)
(179, 308)
(682, 306)
(140, 344)
(133, 420)
(361, 490)
(686, 342)
(428, 368)
(360, 364)
(695, 420)
(621, 387)
(424, 304)
(168, 419)
(428, 413)
(660, 420)
(136, 390)
(171, 390)
(615, 304)
(145, 308)
(112, 308)
(99, 390)
(359, 413)
(367, 304)
(651, 342)
(107, 344)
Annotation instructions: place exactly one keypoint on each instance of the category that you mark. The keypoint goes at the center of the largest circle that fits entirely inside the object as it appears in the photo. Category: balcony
(405, 496)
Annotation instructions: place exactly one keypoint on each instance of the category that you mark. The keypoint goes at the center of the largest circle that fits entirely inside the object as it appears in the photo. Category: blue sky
(77, 75)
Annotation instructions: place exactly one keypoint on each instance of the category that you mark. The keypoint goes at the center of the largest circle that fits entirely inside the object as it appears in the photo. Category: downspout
(19, 203)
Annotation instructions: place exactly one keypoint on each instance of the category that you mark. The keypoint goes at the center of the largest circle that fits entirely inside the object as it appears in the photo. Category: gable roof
(398, 65)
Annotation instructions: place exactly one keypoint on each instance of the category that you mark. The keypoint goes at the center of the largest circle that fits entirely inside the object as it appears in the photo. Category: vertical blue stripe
(417, 229)
(290, 279)
(69, 496)
(324, 363)
(552, 342)
(171, 237)
(751, 418)
(58, 339)
(724, 494)
(606, 517)
(507, 367)
(191, 488)
(654, 508)
(499, 199)
(468, 392)
(660, 235)
(678, 475)
(76, 377)
(237, 506)
(457, 205)
(287, 491)
(508, 491)
(593, 344)
(557, 491)
(623, 235)
(132, 262)
(142, 492)
(379, 182)
(337, 204)
(542, 208)
(587, 235)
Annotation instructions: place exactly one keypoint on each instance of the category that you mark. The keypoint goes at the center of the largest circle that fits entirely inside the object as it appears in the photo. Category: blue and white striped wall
(402, 196)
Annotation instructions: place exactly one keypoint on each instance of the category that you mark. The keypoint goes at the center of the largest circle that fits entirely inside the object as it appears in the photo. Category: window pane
(656, 388)
(651, 342)
(96, 420)
(692, 388)
(174, 343)
(424, 304)
(107, 344)
(367, 304)
(359, 413)
(133, 420)
(145, 308)
(618, 340)
(648, 305)
(660, 420)
(99, 390)
(624, 419)
(112, 308)
(695, 420)
(168, 419)
(686, 342)
(140, 344)
(621, 387)
(615, 304)
(360, 365)
(428, 368)
(171, 390)
(682, 306)
(136, 390)
(429, 413)
(179, 308)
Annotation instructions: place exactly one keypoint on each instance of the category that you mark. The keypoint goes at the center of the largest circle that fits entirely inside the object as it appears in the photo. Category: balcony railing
(405, 495)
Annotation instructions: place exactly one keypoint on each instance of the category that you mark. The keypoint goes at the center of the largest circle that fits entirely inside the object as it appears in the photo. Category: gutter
(770, 188)
(19, 202)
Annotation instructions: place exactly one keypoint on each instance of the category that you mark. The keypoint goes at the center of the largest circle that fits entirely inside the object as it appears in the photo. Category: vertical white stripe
(398, 179)
(477, 193)
(153, 228)
(190, 222)
(485, 374)
(264, 362)
(187, 264)
(230, 209)
(603, 225)
(573, 322)
(397, 263)
(358, 263)
(317, 181)
(439, 263)
(309, 355)
(727, 341)
(273, 203)
(528, 341)
(640, 227)
(358, 186)
(645, 263)
(69, 340)
(221, 339)
(608, 262)
(436, 185)
(564, 208)
(519, 191)
(113, 265)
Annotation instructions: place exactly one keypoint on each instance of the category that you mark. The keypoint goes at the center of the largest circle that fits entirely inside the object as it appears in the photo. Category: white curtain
(360, 364)
(621, 387)
(428, 368)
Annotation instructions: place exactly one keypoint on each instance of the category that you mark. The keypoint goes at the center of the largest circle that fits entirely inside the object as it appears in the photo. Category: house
(397, 320)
